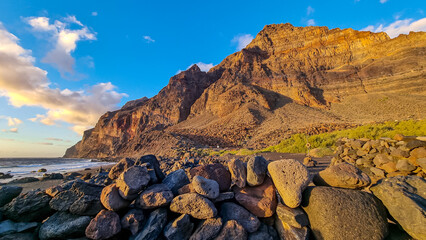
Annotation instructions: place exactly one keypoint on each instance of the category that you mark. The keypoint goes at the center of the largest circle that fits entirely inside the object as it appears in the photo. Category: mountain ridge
(288, 78)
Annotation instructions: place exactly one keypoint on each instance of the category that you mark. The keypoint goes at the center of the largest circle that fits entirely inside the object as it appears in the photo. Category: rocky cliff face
(288, 78)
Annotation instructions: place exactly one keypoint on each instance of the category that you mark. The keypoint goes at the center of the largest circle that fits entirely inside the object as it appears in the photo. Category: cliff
(287, 79)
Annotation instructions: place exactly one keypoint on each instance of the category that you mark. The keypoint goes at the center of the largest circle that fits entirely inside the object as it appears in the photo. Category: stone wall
(385, 157)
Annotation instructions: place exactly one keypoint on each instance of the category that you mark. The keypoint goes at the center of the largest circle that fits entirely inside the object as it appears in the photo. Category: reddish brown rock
(111, 199)
(105, 225)
(260, 200)
(343, 175)
(215, 172)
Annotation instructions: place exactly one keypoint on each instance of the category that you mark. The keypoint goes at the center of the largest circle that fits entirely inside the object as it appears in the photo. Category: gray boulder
(154, 225)
(256, 170)
(232, 211)
(133, 220)
(8, 193)
(207, 229)
(179, 229)
(63, 225)
(405, 199)
(157, 195)
(32, 206)
(205, 187)
(176, 180)
(336, 213)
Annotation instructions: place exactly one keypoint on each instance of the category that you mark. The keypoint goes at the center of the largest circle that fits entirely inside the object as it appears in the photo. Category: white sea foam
(28, 167)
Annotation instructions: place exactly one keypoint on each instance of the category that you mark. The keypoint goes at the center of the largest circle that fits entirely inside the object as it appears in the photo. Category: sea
(28, 167)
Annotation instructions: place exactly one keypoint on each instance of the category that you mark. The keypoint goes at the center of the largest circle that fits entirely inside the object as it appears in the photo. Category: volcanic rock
(63, 225)
(293, 216)
(176, 180)
(205, 187)
(157, 195)
(28, 207)
(153, 162)
(207, 229)
(8, 193)
(290, 178)
(343, 175)
(154, 225)
(194, 205)
(179, 229)
(405, 199)
(105, 225)
(265, 232)
(238, 172)
(133, 220)
(336, 213)
(215, 172)
(256, 170)
(286, 231)
(118, 168)
(232, 230)
(131, 181)
(260, 200)
(232, 211)
(111, 199)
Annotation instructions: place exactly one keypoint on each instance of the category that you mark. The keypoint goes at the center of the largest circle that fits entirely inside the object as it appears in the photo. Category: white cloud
(383, 1)
(310, 10)
(26, 85)
(205, 67)
(148, 39)
(399, 27)
(310, 22)
(65, 40)
(11, 121)
(94, 14)
(242, 40)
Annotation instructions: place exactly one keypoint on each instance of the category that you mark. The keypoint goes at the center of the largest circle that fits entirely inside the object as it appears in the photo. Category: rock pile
(385, 157)
(254, 200)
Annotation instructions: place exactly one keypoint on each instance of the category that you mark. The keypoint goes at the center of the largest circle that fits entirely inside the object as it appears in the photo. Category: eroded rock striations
(283, 81)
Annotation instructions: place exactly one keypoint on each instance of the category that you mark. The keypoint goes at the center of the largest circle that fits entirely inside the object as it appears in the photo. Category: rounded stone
(111, 199)
(194, 205)
(260, 200)
(290, 178)
(343, 175)
(105, 225)
(132, 181)
(205, 187)
(232, 211)
(336, 213)
(256, 170)
(157, 195)
(63, 225)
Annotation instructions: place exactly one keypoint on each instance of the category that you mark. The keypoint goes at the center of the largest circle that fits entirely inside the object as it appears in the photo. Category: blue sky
(88, 57)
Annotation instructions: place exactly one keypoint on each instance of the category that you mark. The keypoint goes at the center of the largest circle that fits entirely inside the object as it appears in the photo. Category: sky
(65, 63)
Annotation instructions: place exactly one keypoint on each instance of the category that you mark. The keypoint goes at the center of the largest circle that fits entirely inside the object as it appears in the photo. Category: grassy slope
(297, 142)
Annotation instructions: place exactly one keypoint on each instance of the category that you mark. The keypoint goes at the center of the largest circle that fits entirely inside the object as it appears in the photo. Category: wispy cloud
(310, 22)
(64, 38)
(94, 14)
(26, 85)
(44, 143)
(242, 40)
(148, 39)
(309, 10)
(56, 139)
(383, 1)
(205, 67)
(399, 27)
(12, 130)
(11, 121)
